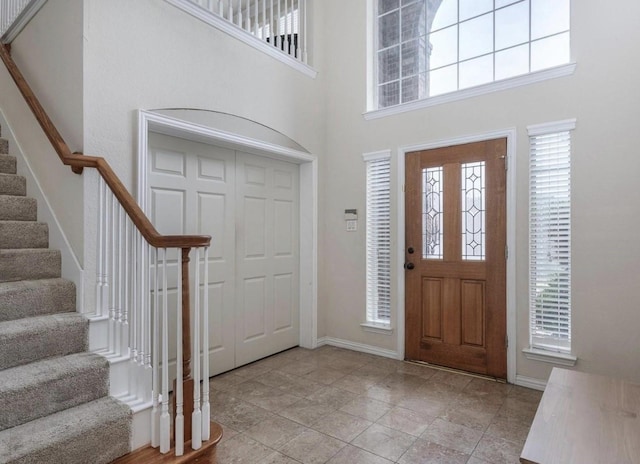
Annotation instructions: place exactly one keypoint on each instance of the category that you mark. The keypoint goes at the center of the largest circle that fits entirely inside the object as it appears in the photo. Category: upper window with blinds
(433, 47)
(378, 238)
(550, 236)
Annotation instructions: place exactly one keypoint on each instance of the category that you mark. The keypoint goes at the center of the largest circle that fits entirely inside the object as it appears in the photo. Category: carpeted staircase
(54, 403)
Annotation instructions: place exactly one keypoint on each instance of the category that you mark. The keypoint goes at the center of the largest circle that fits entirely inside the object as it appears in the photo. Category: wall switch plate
(352, 226)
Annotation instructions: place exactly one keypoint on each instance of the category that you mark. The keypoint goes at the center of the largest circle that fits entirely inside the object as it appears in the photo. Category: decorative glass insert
(432, 211)
(473, 211)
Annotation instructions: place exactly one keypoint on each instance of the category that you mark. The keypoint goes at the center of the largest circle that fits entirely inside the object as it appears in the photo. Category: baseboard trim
(355, 346)
(529, 382)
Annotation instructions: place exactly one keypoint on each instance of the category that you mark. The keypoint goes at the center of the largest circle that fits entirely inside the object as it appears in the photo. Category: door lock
(409, 266)
(410, 250)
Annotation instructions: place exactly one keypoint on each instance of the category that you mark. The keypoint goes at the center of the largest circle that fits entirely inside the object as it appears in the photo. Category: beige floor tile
(418, 370)
(332, 397)
(515, 408)
(298, 368)
(312, 447)
(509, 428)
(271, 399)
(275, 431)
(405, 420)
(457, 381)
(238, 414)
(341, 425)
(498, 450)
(424, 452)
(473, 460)
(367, 408)
(289, 383)
(278, 458)
(354, 384)
(324, 375)
(452, 435)
(385, 442)
(352, 455)
(226, 381)
(421, 405)
(305, 411)
(242, 450)
(374, 371)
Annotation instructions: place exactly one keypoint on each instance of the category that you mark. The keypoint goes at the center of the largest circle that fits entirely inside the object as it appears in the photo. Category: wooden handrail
(77, 162)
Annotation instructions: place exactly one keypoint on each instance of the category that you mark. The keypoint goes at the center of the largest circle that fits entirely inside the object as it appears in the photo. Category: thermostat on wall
(350, 214)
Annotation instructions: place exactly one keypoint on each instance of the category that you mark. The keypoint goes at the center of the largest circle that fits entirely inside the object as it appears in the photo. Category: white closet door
(267, 257)
(192, 188)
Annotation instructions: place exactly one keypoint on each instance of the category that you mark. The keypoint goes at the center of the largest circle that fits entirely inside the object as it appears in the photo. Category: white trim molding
(154, 122)
(377, 328)
(530, 382)
(354, 346)
(497, 86)
(510, 135)
(551, 357)
(550, 127)
(19, 23)
(234, 31)
(376, 155)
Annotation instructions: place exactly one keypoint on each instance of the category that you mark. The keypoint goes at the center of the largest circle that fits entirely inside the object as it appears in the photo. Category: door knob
(410, 250)
(409, 266)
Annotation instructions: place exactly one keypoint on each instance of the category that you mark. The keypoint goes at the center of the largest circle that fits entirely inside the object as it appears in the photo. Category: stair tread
(31, 339)
(29, 263)
(13, 184)
(23, 234)
(8, 164)
(63, 436)
(18, 208)
(25, 298)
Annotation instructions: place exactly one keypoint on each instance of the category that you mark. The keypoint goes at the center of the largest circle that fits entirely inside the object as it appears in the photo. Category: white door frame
(510, 135)
(154, 122)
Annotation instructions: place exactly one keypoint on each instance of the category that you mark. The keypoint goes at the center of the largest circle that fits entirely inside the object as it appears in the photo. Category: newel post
(187, 381)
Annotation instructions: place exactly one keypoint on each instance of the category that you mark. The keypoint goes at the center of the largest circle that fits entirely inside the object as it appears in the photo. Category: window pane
(549, 17)
(512, 62)
(414, 21)
(512, 25)
(389, 65)
(550, 52)
(389, 30)
(443, 80)
(414, 57)
(432, 213)
(501, 3)
(444, 47)
(389, 94)
(446, 15)
(476, 37)
(386, 5)
(473, 211)
(471, 8)
(476, 72)
(414, 88)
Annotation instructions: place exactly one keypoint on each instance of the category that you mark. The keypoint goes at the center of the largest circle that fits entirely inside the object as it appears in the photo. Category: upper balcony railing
(14, 15)
(277, 27)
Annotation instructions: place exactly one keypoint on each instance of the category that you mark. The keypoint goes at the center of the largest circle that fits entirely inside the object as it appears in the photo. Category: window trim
(538, 352)
(374, 324)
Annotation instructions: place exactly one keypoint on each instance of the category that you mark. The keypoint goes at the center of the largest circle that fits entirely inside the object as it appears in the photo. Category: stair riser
(29, 264)
(21, 234)
(18, 208)
(32, 339)
(47, 393)
(36, 298)
(8, 164)
(4, 146)
(13, 185)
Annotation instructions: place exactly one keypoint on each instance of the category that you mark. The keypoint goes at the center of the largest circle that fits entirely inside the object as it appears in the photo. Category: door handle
(409, 266)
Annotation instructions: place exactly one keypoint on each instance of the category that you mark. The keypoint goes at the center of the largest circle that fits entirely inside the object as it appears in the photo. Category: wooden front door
(456, 257)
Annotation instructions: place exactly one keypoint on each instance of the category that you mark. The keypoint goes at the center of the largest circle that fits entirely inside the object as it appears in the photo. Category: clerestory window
(425, 48)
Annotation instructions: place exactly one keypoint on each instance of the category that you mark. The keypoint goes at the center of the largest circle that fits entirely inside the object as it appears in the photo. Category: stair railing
(138, 272)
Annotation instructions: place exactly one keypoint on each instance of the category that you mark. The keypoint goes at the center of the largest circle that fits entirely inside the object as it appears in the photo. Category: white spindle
(287, 28)
(299, 41)
(99, 254)
(256, 18)
(114, 273)
(247, 26)
(206, 408)
(278, 33)
(164, 417)
(264, 19)
(274, 39)
(179, 419)
(196, 417)
(149, 306)
(128, 273)
(155, 412)
(304, 32)
(221, 8)
(240, 13)
(230, 12)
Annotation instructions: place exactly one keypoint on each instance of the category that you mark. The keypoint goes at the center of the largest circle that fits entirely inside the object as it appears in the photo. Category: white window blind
(378, 238)
(550, 236)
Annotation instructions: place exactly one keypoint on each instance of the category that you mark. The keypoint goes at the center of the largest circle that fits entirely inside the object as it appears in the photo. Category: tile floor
(339, 406)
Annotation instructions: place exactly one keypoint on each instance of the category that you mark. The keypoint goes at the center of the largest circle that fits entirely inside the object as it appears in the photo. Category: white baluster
(287, 29)
(114, 273)
(149, 306)
(298, 53)
(165, 438)
(257, 18)
(155, 412)
(124, 338)
(206, 408)
(179, 419)
(240, 13)
(279, 32)
(304, 31)
(274, 40)
(99, 254)
(247, 26)
(196, 417)
(221, 8)
(230, 12)
(264, 19)
(106, 254)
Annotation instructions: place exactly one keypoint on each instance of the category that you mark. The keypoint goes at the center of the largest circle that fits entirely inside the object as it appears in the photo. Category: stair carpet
(53, 393)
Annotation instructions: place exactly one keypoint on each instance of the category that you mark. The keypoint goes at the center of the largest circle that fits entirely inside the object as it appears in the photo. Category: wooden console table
(584, 418)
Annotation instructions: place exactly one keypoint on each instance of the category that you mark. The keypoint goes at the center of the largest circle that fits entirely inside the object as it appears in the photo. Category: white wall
(49, 54)
(602, 95)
